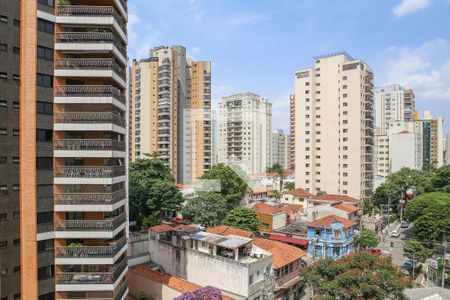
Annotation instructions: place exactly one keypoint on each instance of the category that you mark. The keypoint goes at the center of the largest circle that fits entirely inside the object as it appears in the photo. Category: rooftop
(345, 207)
(298, 227)
(328, 220)
(169, 280)
(299, 192)
(292, 208)
(228, 230)
(282, 254)
(335, 197)
(229, 242)
(265, 209)
(166, 227)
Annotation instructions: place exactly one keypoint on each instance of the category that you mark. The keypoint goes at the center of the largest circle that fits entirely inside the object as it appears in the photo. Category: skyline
(241, 40)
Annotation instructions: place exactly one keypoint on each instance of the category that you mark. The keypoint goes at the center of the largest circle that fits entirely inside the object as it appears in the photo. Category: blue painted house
(331, 236)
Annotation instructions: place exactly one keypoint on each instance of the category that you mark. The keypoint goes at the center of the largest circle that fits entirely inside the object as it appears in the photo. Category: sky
(257, 45)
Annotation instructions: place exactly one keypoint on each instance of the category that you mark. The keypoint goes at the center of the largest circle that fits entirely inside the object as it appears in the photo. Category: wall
(279, 220)
(140, 284)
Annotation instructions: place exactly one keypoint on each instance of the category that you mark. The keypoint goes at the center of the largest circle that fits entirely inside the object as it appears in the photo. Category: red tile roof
(282, 254)
(259, 190)
(292, 208)
(346, 207)
(171, 227)
(169, 280)
(335, 197)
(227, 230)
(265, 209)
(299, 192)
(285, 239)
(328, 220)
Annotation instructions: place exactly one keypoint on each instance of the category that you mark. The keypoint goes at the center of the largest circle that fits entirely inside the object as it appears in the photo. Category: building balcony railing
(91, 11)
(91, 38)
(91, 277)
(93, 145)
(89, 117)
(118, 293)
(89, 91)
(90, 225)
(90, 64)
(89, 198)
(90, 251)
(89, 172)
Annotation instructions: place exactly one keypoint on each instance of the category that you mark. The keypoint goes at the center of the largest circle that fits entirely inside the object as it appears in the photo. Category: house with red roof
(344, 210)
(330, 236)
(269, 217)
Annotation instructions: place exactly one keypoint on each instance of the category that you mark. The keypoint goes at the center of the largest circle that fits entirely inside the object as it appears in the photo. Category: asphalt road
(397, 250)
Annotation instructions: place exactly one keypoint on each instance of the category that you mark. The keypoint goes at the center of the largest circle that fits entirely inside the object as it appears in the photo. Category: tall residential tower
(334, 126)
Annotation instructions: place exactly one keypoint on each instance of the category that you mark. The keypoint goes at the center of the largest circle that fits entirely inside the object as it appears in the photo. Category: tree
(153, 193)
(441, 179)
(397, 184)
(280, 173)
(207, 209)
(203, 293)
(232, 185)
(289, 186)
(367, 239)
(361, 275)
(430, 214)
(276, 194)
(416, 251)
(242, 218)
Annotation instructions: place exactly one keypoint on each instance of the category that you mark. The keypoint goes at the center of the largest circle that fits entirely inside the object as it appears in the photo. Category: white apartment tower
(280, 148)
(432, 130)
(245, 132)
(334, 134)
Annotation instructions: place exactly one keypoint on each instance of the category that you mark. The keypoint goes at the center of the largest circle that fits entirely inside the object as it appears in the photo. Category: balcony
(100, 145)
(105, 202)
(93, 41)
(91, 15)
(89, 172)
(90, 67)
(86, 255)
(84, 94)
(91, 119)
(90, 225)
(89, 278)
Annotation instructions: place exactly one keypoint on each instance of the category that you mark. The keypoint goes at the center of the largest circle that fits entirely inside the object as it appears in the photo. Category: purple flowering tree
(204, 293)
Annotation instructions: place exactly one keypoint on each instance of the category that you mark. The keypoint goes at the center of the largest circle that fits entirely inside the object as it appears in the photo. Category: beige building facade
(280, 148)
(334, 134)
(170, 111)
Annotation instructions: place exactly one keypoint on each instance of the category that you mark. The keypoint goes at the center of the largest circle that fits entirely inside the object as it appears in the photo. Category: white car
(395, 233)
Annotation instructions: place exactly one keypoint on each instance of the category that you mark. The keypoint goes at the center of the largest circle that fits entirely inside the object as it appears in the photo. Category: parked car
(395, 233)
(404, 224)
(408, 265)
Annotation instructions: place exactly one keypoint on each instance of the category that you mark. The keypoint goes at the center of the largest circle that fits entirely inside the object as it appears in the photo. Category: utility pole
(444, 250)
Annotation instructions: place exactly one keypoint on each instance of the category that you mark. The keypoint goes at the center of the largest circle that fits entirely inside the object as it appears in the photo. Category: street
(397, 250)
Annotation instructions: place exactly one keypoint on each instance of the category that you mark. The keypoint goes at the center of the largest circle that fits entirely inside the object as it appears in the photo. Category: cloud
(410, 6)
(195, 10)
(425, 69)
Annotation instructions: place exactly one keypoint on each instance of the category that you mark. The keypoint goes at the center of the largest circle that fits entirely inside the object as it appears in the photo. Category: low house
(295, 234)
(269, 217)
(294, 212)
(259, 194)
(331, 236)
(286, 262)
(333, 198)
(231, 263)
(228, 230)
(149, 281)
(297, 196)
(347, 211)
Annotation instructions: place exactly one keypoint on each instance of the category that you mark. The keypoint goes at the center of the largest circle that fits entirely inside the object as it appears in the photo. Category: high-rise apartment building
(280, 148)
(334, 133)
(245, 132)
(170, 111)
(291, 130)
(431, 129)
(68, 194)
(447, 149)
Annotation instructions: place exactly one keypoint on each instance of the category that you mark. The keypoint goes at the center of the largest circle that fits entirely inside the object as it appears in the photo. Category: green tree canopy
(280, 171)
(431, 216)
(242, 218)
(153, 193)
(207, 209)
(357, 276)
(441, 179)
(416, 251)
(232, 185)
(289, 186)
(367, 239)
(398, 182)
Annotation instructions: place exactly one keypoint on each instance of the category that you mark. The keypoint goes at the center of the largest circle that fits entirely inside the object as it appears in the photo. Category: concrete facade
(334, 133)
(431, 129)
(280, 148)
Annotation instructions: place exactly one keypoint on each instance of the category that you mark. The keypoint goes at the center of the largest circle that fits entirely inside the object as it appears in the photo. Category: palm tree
(280, 173)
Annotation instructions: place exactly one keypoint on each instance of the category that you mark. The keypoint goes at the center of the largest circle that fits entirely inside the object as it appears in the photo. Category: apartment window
(344, 183)
(3, 19)
(307, 92)
(3, 47)
(344, 104)
(16, 132)
(44, 163)
(46, 26)
(3, 159)
(46, 245)
(3, 244)
(3, 216)
(344, 77)
(47, 2)
(44, 80)
(16, 104)
(345, 122)
(16, 50)
(345, 174)
(344, 96)
(3, 187)
(16, 187)
(3, 131)
(16, 214)
(44, 108)
(345, 147)
(345, 165)
(16, 76)
(345, 130)
(345, 139)
(306, 83)
(3, 103)
(46, 272)
(3, 75)
(250, 280)
(16, 23)
(345, 113)
(15, 160)
(344, 192)
(344, 86)
(45, 53)
(4, 272)
(16, 242)
(44, 135)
